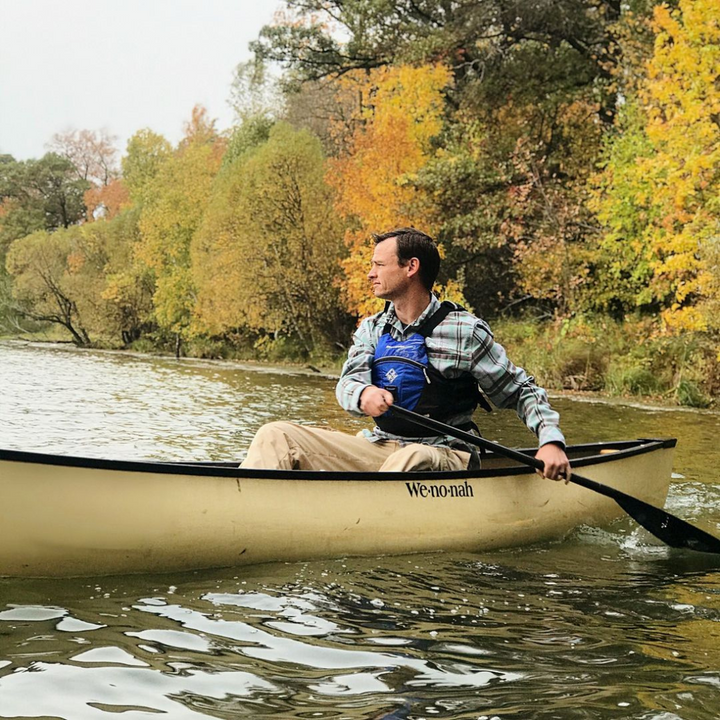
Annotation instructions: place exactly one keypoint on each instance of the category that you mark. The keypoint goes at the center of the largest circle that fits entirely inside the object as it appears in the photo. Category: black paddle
(666, 527)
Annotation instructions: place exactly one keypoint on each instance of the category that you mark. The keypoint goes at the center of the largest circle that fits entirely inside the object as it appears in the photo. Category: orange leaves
(401, 112)
(75, 261)
(200, 129)
(106, 201)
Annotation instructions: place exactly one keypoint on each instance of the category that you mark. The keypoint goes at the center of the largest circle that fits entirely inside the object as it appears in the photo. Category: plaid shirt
(461, 343)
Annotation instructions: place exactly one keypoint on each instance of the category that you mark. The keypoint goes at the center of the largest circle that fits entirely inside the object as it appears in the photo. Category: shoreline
(644, 402)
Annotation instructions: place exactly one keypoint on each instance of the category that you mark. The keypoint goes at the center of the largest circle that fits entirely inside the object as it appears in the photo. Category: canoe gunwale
(623, 449)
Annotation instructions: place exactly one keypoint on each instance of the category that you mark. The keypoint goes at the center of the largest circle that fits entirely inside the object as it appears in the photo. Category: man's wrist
(553, 435)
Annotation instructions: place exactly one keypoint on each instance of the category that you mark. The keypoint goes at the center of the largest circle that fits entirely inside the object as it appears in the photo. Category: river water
(604, 625)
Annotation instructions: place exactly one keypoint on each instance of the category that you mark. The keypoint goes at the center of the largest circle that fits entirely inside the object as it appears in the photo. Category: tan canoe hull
(99, 517)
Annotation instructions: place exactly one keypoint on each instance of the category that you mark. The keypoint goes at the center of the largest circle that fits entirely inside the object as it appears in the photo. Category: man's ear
(413, 267)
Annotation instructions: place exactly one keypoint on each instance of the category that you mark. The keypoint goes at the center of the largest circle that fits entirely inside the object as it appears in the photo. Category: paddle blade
(672, 530)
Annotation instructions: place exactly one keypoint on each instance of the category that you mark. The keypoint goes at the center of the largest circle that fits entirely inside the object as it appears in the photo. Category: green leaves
(266, 255)
(657, 194)
(43, 194)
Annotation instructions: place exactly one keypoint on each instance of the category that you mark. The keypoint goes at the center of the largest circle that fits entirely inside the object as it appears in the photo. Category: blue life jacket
(403, 368)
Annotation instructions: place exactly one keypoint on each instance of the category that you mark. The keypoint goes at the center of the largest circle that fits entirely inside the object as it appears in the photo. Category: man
(432, 357)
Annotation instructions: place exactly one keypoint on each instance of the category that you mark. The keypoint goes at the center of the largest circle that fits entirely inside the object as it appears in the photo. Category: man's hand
(375, 401)
(557, 465)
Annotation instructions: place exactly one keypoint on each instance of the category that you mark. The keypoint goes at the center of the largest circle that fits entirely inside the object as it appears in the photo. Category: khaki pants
(286, 446)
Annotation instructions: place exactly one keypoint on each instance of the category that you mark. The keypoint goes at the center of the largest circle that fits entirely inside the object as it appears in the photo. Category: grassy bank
(628, 359)
(282, 351)
(599, 355)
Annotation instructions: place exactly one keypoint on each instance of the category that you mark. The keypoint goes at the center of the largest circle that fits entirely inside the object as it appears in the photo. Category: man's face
(389, 279)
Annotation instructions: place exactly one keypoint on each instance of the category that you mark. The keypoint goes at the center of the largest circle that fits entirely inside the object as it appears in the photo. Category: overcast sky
(122, 65)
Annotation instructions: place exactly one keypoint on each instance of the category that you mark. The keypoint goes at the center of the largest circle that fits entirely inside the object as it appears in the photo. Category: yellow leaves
(682, 92)
(401, 113)
(177, 195)
(115, 288)
(173, 296)
(146, 154)
(266, 255)
(408, 95)
(678, 319)
(683, 99)
(453, 291)
(663, 199)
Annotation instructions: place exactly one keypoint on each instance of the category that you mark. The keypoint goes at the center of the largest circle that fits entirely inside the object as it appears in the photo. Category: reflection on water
(428, 636)
(605, 625)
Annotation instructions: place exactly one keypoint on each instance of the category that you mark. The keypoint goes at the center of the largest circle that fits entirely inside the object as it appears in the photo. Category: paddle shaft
(671, 530)
(481, 442)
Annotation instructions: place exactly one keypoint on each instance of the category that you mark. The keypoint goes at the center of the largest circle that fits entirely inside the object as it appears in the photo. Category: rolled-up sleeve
(509, 386)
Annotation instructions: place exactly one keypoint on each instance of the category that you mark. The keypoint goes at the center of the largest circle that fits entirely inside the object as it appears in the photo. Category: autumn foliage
(658, 195)
(400, 114)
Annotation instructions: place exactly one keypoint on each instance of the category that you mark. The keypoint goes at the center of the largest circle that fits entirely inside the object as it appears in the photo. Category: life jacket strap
(427, 328)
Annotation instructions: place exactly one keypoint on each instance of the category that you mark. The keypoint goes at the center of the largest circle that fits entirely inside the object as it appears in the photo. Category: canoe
(70, 516)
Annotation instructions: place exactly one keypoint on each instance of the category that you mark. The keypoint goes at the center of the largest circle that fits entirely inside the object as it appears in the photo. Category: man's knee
(273, 447)
(419, 457)
(278, 428)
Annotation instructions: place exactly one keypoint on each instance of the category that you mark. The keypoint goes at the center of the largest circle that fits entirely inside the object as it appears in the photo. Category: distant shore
(539, 359)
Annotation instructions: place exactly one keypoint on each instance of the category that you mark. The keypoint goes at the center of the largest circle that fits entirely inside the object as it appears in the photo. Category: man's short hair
(412, 243)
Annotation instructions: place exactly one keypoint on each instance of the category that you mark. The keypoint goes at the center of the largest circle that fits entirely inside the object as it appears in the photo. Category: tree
(327, 110)
(253, 131)
(484, 42)
(126, 292)
(658, 195)
(84, 278)
(174, 194)
(42, 265)
(35, 195)
(375, 181)
(254, 92)
(92, 153)
(146, 153)
(622, 199)
(683, 105)
(534, 87)
(21, 211)
(266, 256)
(106, 201)
(39, 194)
